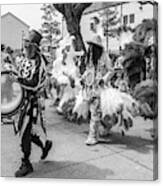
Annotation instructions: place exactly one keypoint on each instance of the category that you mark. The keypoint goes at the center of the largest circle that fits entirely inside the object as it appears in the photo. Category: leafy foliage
(110, 18)
(50, 26)
(146, 29)
(146, 92)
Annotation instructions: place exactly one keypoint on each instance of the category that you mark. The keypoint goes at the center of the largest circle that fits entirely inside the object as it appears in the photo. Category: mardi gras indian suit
(32, 77)
(107, 106)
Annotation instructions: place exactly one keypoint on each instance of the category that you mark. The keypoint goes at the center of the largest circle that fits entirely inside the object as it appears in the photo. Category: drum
(12, 95)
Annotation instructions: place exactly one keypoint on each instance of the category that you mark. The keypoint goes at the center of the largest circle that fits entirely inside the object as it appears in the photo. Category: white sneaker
(91, 141)
(59, 110)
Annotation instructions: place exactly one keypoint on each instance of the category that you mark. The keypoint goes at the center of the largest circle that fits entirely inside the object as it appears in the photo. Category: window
(125, 20)
(132, 18)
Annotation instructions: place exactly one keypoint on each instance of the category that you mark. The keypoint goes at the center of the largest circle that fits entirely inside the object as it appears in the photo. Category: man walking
(32, 77)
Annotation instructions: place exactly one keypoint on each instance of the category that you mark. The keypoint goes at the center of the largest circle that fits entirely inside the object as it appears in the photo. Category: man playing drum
(32, 77)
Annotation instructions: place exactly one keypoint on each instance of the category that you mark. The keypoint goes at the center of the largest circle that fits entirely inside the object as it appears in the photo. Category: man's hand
(13, 76)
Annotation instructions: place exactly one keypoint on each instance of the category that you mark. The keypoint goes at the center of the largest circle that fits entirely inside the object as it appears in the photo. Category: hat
(34, 37)
(96, 40)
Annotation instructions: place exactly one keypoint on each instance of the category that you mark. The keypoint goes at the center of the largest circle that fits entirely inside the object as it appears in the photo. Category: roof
(12, 15)
(148, 2)
(100, 6)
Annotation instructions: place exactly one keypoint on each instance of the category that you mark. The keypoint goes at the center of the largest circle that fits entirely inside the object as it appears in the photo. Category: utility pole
(121, 22)
(107, 33)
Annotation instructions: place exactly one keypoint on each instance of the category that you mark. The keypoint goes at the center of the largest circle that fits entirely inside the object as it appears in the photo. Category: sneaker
(91, 141)
(59, 111)
(24, 169)
(46, 149)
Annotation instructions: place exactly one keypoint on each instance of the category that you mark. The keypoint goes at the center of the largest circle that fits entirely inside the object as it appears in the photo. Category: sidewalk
(129, 157)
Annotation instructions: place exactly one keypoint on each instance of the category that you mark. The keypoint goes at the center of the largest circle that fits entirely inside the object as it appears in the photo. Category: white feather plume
(59, 69)
(81, 106)
(69, 93)
(112, 100)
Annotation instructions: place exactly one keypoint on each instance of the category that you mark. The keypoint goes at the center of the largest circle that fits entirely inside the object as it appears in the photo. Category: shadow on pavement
(132, 142)
(129, 142)
(69, 170)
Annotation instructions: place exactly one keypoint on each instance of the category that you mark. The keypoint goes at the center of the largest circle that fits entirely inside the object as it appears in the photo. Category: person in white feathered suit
(108, 106)
(66, 72)
(64, 63)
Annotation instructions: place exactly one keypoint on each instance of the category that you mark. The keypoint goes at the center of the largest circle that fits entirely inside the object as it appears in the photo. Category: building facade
(13, 30)
(130, 14)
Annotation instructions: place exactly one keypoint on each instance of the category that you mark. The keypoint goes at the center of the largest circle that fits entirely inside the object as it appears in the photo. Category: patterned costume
(95, 72)
(32, 77)
(108, 106)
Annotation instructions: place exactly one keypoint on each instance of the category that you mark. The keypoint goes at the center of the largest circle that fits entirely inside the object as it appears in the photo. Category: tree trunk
(72, 13)
(78, 42)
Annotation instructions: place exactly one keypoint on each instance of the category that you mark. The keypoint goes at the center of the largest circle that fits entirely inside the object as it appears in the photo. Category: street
(129, 157)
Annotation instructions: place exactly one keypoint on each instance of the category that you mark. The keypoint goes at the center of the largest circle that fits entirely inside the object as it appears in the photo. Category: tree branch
(59, 7)
(80, 7)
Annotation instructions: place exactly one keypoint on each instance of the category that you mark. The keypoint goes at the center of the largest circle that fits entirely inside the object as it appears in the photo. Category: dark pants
(28, 118)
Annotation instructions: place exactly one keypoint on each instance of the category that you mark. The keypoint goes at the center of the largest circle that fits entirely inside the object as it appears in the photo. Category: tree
(110, 18)
(144, 45)
(72, 13)
(134, 63)
(146, 92)
(147, 34)
(50, 26)
(146, 30)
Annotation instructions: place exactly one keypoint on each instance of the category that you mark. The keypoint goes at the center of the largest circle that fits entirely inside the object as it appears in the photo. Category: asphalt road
(129, 157)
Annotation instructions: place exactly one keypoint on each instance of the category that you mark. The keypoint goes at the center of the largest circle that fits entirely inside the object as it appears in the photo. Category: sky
(29, 13)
